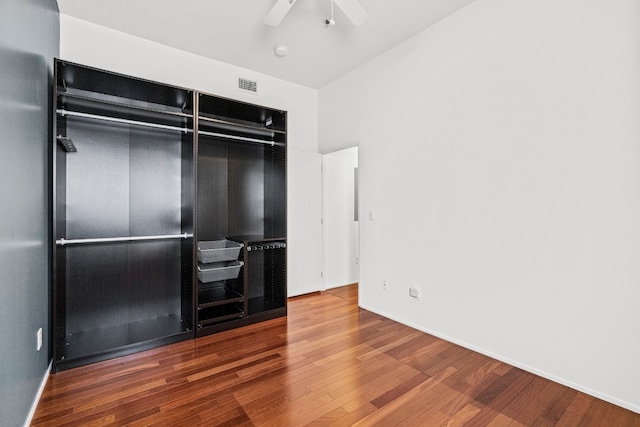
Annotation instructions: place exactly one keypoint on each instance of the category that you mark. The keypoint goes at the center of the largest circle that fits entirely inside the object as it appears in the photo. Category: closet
(161, 196)
(241, 205)
(122, 215)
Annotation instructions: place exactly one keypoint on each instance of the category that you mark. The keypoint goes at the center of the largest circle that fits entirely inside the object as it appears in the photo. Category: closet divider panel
(187, 246)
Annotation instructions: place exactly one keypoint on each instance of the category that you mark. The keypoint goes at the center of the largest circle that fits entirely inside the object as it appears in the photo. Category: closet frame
(128, 208)
(236, 143)
(122, 215)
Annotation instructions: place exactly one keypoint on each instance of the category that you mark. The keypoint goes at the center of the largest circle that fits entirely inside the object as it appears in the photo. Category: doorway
(341, 231)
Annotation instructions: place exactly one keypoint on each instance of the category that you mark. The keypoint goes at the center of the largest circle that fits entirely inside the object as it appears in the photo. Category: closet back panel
(267, 273)
(123, 181)
(246, 188)
(213, 190)
(115, 283)
(230, 180)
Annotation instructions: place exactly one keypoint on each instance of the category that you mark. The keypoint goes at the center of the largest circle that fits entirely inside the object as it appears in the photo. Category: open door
(340, 214)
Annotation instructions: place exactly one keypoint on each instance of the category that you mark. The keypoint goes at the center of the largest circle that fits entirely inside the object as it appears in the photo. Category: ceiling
(232, 31)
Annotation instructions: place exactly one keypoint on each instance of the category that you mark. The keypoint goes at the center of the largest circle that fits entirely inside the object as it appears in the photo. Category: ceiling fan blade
(278, 12)
(354, 11)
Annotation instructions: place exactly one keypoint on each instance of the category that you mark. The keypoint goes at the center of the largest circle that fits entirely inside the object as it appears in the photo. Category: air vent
(246, 85)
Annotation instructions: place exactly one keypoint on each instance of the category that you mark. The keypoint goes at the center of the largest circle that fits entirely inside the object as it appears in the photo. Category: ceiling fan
(352, 8)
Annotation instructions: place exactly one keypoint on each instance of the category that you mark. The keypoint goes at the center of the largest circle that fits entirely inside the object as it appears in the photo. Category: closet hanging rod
(62, 242)
(239, 138)
(117, 120)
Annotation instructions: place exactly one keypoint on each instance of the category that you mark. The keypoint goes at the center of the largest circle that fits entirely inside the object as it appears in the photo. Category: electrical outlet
(39, 339)
(372, 215)
(385, 285)
(357, 260)
(414, 292)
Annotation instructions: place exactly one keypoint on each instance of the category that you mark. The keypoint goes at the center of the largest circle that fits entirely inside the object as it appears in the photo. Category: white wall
(501, 152)
(305, 192)
(340, 230)
(101, 47)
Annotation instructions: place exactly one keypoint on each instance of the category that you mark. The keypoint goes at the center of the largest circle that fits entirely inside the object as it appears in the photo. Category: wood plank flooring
(328, 364)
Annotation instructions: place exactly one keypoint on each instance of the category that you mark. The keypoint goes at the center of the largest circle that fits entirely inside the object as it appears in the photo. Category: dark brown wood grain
(328, 364)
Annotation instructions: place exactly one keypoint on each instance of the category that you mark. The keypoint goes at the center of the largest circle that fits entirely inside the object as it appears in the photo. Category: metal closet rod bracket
(63, 241)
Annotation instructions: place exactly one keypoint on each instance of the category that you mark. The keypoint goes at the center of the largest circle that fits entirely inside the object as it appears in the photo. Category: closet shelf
(222, 124)
(234, 111)
(96, 84)
(127, 338)
(63, 241)
(63, 113)
(85, 101)
(219, 295)
(219, 313)
(73, 104)
(238, 138)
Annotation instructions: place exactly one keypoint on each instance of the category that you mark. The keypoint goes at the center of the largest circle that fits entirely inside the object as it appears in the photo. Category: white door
(341, 230)
(304, 234)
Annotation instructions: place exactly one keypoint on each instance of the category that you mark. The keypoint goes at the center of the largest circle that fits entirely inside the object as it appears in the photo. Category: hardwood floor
(328, 363)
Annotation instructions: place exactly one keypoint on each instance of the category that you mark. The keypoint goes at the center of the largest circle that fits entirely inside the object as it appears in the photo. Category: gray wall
(29, 40)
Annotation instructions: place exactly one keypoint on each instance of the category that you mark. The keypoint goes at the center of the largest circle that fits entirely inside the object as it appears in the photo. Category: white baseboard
(34, 405)
(578, 387)
(340, 285)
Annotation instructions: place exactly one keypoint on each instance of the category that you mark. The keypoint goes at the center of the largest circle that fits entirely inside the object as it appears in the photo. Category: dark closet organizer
(123, 215)
(241, 196)
(142, 172)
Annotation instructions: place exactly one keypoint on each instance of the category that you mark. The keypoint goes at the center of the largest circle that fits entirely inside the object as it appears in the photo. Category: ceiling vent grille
(246, 85)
